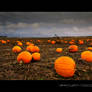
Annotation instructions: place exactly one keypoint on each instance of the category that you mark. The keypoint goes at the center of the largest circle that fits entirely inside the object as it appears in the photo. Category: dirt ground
(43, 69)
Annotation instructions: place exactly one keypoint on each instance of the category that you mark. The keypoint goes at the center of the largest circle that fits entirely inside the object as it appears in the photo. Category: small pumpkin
(16, 49)
(49, 41)
(25, 57)
(39, 41)
(81, 42)
(27, 43)
(87, 56)
(59, 50)
(73, 48)
(20, 43)
(53, 42)
(65, 66)
(3, 41)
(65, 42)
(8, 41)
(36, 56)
(71, 42)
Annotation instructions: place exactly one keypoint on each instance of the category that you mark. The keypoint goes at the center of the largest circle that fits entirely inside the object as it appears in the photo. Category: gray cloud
(45, 23)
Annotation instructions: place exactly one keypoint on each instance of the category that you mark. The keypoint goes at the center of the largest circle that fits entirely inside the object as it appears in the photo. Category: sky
(45, 24)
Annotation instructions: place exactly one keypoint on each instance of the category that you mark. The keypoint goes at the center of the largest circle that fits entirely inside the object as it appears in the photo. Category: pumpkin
(20, 43)
(87, 56)
(53, 42)
(8, 41)
(59, 50)
(16, 49)
(27, 43)
(31, 44)
(89, 48)
(33, 48)
(81, 42)
(29, 48)
(65, 42)
(36, 48)
(38, 41)
(25, 57)
(91, 43)
(36, 56)
(65, 66)
(3, 42)
(73, 48)
(49, 41)
(71, 42)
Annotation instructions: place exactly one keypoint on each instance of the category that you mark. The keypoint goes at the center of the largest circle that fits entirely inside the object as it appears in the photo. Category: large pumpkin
(25, 57)
(36, 56)
(16, 49)
(87, 56)
(89, 48)
(65, 66)
(73, 48)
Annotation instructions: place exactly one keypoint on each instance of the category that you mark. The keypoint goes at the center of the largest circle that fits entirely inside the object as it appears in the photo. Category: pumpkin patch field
(67, 58)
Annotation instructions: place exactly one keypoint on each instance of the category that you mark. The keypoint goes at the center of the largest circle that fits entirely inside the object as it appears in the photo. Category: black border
(45, 83)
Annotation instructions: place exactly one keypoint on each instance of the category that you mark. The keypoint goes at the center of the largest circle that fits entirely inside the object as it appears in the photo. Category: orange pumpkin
(81, 42)
(65, 66)
(36, 56)
(28, 43)
(59, 50)
(20, 43)
(16, 49)
(49, 41)
(31, 44)
(3, 42)
(71, 42)
(89, 48)
(87, 56)
(8, 41)
(91, 43)
(65, 41)
(25, 57)
(38, 41)
(36, 48)
(29, 48)
(53, 42)
(73, 48)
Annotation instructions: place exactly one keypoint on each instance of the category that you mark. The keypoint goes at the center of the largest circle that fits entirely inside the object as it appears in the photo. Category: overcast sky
(45, 24)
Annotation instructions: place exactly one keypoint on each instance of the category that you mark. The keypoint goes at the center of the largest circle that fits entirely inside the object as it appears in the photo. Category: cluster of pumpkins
(31, 52)
(71, 42)
(4, 42)
(64, 65)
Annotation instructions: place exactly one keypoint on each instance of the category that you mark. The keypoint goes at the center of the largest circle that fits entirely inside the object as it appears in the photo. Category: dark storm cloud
(45, 23)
